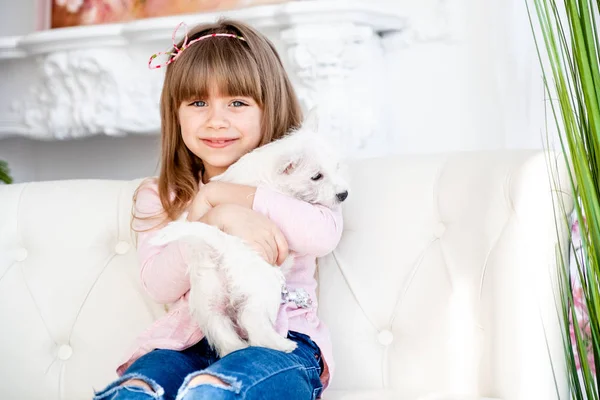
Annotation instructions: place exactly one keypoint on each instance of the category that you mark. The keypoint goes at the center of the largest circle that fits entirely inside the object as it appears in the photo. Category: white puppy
(235, 294)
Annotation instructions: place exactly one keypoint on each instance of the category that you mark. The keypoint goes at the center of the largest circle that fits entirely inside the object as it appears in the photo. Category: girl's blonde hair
(234, 67)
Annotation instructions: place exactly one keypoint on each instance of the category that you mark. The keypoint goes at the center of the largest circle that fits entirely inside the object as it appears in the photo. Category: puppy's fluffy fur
(235, 294)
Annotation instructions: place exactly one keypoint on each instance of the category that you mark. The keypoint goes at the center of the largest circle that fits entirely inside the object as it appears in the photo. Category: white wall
(94, 157)
(477, 89)
(18, 17)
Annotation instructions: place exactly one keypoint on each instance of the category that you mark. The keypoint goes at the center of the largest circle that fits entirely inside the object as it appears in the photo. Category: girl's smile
(218, 143)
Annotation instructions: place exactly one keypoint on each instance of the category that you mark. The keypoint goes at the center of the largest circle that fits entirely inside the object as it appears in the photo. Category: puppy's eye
(317, 177)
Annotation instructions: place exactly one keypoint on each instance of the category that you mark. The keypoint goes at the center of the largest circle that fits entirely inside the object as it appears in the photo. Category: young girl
(225, 93)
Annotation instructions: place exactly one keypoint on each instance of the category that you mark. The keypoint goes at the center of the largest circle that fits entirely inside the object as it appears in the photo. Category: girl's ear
(312, 120)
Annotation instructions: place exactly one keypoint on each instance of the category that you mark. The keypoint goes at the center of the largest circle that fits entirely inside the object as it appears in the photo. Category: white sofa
(439, 289)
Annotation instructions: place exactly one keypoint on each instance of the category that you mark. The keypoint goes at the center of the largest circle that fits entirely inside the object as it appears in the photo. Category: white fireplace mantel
(91, 80)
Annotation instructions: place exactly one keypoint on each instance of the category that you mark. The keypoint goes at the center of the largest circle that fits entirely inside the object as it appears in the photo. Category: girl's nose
(217, 120)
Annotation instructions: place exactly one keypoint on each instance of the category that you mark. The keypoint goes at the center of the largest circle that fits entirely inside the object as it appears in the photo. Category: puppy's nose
(342, 195)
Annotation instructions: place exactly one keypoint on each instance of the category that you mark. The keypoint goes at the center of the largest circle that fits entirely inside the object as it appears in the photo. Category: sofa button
(385, 337)
(440, 229)
(122, 247)
(20, 254)
(65, 352)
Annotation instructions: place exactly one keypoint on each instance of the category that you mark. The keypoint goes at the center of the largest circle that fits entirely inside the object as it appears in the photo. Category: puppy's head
(311, 170)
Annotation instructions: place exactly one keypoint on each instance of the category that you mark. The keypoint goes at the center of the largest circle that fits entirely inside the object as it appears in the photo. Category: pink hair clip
(177, 51)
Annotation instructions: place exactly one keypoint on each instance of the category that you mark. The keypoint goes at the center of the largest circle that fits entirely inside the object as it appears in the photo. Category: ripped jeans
(251, 373)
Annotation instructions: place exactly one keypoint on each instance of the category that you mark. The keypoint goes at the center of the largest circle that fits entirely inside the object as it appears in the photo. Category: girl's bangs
(222, 64)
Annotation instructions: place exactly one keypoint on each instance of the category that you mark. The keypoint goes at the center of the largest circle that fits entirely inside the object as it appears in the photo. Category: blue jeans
(251, 373)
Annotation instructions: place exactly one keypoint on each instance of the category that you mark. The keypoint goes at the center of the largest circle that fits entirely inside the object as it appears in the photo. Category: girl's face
(220, 129)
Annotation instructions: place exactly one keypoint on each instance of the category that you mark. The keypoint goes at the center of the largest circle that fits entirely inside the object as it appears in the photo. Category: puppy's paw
(286, 345)
(287, 265)
(275, 342)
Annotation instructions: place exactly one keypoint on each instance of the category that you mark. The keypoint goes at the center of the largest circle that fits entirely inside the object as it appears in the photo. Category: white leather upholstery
(439, 286)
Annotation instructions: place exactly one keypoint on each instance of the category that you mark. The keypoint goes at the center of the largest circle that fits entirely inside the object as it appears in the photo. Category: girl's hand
(258, 231)
(200, 205)
(217, 193)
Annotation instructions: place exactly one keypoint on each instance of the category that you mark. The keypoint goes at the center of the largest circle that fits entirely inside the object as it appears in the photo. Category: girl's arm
(308, 228)
(163, 270)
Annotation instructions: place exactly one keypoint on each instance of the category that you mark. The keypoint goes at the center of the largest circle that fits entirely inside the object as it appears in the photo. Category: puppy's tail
(190, 231)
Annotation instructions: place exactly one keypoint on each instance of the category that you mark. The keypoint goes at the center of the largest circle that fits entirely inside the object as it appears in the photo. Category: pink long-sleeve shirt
(311, 231)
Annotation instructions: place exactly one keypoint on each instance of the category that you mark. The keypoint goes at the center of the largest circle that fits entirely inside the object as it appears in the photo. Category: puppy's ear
(312, 120)
(290, 163)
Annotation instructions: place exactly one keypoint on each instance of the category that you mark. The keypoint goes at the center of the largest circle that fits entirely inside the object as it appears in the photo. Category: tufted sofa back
(440, 286)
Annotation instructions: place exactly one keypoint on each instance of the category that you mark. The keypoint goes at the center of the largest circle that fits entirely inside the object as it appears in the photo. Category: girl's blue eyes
(201, 103)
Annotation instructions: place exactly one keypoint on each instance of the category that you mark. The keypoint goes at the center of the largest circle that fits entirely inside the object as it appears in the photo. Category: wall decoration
(90, 12)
